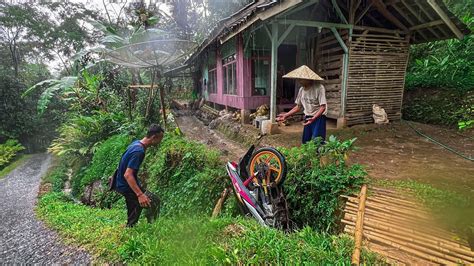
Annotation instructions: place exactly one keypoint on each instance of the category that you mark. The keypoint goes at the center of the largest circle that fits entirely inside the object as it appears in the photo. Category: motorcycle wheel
(275, 162)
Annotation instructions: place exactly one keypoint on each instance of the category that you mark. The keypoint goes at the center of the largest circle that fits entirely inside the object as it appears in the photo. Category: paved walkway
(24, 239)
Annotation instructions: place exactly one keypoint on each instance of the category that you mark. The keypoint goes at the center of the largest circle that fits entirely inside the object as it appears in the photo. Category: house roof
(425, 20)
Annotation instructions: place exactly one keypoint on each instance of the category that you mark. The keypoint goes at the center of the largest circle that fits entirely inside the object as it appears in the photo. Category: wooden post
(273, 71)
(220, 203)
(150, 94)
(163, 109)
(359, 227)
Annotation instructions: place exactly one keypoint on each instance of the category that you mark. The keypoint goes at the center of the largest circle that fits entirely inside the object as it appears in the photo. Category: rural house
(360, 48)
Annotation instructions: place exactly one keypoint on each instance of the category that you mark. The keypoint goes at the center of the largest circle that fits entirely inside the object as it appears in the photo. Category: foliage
(81, 134)
(317, 177)
(19, 118)
(8, 151)
(448, 67)
(189, 239)
(13, 165)
(252, 244)
(57, 176)
(187, 175)
(105, 159)
(437, 106)
(44, 30)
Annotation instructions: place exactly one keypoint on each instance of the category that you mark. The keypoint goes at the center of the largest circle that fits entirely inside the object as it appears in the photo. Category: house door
(286, 63)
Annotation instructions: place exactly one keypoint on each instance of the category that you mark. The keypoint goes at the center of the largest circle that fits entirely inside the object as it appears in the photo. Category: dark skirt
(315, 129)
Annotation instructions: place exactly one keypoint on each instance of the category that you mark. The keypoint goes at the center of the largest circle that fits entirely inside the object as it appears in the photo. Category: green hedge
(317, 177)
(8, 151)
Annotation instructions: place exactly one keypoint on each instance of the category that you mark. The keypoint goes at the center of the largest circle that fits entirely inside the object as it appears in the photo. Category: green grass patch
(10, 167)
(189, 240)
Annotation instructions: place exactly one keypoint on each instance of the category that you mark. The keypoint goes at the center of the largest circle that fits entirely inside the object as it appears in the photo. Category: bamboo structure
(395, 222)
(359, 226)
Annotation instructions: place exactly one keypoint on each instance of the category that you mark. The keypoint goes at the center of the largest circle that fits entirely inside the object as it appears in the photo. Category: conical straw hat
(303, 72)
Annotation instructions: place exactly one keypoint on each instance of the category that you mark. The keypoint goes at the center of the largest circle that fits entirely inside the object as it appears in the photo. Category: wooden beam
(354, 5)
(338, 11)
(378, 23)
(382, 30)
(269, 34)
(428, 14)
(427, 25)
(384, 11)
(394, 5)
(285, 34)
(273, 72)
(361, 15)
(297, 8)
(340, 40)
(446, 19)
(315, 24)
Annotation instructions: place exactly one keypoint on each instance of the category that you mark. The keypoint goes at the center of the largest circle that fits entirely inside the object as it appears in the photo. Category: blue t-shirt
(132, 158)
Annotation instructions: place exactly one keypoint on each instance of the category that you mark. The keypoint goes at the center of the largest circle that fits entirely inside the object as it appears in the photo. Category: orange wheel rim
(274, 164)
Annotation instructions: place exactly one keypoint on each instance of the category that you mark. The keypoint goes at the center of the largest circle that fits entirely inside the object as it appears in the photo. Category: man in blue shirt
(127, 182)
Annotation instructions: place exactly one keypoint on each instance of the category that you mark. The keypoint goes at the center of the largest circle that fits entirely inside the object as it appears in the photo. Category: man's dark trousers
(134, 209)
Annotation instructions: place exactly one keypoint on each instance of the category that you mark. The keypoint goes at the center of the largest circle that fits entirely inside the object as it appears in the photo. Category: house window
(229, 69)
(212, 83)
(260, 76)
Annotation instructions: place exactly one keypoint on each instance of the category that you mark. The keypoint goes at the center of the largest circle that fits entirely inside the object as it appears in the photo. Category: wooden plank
(426, 25)
(383, 36)
(331, 72)
(381, 30)
(331, 38)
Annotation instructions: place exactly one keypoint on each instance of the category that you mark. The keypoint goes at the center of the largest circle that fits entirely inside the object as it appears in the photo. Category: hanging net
(147, 48)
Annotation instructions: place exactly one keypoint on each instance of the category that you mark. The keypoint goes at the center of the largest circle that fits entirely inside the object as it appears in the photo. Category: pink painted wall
(243, 99)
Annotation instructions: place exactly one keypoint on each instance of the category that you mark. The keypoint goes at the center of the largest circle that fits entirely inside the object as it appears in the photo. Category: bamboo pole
(425, 230)
(388, 208)
(421, 243)
(410, 248)
(359, 227)
(398, 230)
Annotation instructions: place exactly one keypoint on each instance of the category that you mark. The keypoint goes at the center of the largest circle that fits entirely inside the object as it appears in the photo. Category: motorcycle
(257, 181)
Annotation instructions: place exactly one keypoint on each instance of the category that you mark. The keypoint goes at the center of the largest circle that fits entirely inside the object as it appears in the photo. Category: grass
(17, 162)
(189, 240)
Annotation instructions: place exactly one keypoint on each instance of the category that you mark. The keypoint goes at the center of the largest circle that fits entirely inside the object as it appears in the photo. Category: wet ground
(393, 151)
(23, 238)
(396, 151)
(194, 129)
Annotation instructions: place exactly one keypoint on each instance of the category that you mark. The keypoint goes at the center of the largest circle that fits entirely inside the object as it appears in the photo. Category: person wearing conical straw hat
(312, 99)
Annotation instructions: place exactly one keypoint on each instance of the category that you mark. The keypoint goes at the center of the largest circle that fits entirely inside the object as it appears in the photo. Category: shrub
(81, 135)
(105, 159)
(188, 176)
(317, 177)
(103, 164)
(8, 151)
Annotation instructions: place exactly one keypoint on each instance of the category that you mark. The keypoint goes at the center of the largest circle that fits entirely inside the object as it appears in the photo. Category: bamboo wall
(327, 62)
(377, 67)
